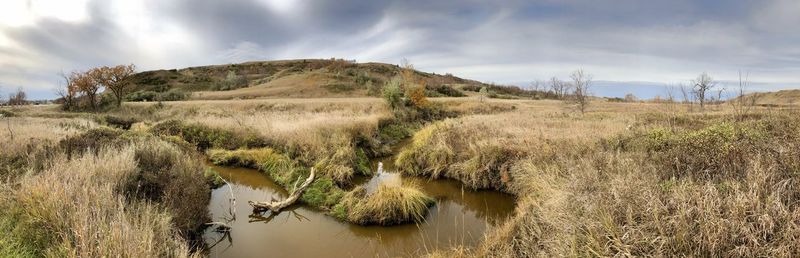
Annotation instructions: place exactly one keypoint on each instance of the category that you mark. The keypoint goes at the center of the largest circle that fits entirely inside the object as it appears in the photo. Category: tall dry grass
(681, 184)
(76, 207)
(325, 133)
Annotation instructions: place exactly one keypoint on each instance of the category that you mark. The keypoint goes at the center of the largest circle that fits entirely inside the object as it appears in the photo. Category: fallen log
(276, 206)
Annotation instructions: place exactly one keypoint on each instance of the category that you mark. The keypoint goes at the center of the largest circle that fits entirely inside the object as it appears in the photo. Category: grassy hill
(778, 98)
(305, 78)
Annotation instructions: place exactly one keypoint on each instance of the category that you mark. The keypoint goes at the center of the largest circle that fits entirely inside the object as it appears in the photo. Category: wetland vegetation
(401, 171)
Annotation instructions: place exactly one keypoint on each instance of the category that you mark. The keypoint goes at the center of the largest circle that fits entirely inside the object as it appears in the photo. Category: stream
(459, 217)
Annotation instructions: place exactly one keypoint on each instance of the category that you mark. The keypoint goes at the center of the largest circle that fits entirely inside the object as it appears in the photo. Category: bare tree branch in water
(276, 206)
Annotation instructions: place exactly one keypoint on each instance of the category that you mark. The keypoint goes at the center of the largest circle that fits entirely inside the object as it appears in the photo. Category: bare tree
(580, 84)
(18, 98)
(559, 87)
(67, 90)
(671, 106)
(114, 79)
(701, 85)
(743, 102)
(687, 96)
(538, 85)
(631, 98)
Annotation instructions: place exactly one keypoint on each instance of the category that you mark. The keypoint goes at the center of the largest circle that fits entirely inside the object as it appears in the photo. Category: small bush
(93, 139)
(204, 137)
(172, 96)
(7, 113)
(123, 123)
(444, 90)
(142, 96)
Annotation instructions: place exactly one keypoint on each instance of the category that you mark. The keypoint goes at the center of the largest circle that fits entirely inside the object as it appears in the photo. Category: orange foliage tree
(114, 79)
(88, 84)
(414, 87)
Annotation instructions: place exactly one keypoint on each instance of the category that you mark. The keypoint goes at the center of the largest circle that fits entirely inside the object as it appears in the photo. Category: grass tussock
(388, 205)
(447, 149)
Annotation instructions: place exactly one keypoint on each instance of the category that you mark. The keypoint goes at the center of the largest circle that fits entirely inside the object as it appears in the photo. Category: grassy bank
(664, 184)
(98, 193)
(322, 194)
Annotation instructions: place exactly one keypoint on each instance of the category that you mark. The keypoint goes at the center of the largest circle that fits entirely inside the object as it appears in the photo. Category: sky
(627, 45)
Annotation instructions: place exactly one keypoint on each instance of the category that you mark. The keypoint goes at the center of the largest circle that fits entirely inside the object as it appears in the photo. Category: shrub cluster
(156, 96)
(204, 137)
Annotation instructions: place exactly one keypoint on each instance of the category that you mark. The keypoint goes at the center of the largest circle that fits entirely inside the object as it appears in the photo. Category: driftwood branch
(232, 200)
(276, 206)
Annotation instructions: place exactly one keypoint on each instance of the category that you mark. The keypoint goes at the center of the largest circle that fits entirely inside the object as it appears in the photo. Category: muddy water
(460, 217)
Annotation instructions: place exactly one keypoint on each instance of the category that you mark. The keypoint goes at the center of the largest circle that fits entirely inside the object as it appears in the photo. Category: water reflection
(460, 217)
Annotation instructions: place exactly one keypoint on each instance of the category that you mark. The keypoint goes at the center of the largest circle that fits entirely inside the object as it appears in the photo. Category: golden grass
(388, 205)
(318, 132)
(625, 179)
(16, 132)
(75, 208)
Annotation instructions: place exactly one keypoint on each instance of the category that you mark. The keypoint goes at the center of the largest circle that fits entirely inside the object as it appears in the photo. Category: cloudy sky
(625, 44)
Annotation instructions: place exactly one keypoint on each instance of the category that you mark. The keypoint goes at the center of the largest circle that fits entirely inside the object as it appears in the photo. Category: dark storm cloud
(501, 41)
(227, 22)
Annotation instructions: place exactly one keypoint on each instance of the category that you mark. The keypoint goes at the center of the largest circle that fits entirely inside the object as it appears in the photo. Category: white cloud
(16, 13)
(500, 41)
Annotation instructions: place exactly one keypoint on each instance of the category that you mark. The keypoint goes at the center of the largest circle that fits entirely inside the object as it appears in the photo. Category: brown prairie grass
(75, 208)
(16, 132)
(388, 205)
(633, 181)
(325, 133)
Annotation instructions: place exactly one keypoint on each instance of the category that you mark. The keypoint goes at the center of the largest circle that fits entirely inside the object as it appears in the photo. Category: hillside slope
(777, 98)
(308, 78)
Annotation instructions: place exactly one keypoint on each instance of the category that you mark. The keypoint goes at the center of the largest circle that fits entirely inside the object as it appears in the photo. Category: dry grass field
(624, 179)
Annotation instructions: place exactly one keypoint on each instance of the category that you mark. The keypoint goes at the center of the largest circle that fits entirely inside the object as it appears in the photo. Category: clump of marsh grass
(388, 205)
(448, 149)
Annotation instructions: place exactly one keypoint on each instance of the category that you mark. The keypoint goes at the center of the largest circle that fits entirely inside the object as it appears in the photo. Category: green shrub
(93, 139)
(720, 150)
(204, 137)
(172, 96)
(443, 90)
(392, 93)
(142, 96)
(123, 123)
